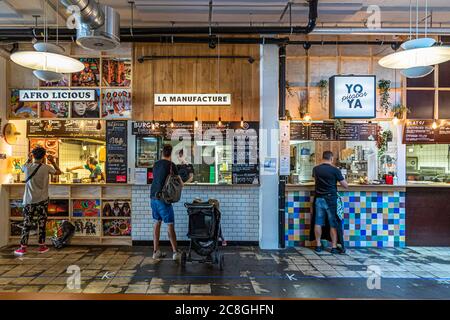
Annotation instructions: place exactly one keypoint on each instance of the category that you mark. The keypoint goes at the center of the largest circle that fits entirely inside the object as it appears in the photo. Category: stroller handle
(198, 206)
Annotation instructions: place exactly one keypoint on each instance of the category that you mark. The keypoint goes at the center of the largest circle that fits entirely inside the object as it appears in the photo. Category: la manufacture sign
(353, 97)
(192, 99)
(57, 95)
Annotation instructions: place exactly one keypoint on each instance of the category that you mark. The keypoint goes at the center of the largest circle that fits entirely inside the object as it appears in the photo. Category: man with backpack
(165, 190)
(35, 198)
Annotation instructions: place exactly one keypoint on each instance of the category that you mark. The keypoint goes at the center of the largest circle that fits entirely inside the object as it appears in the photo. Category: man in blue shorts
(162, 211)
(326, 177)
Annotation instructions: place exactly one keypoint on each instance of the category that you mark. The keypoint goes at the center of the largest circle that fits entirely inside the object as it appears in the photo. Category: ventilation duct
(99, 27)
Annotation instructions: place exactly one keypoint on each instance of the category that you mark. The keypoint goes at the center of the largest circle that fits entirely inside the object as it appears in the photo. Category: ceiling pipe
(90, 12)
(379, 31)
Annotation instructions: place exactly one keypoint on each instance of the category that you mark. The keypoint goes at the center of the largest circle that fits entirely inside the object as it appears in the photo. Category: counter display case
(101, 213)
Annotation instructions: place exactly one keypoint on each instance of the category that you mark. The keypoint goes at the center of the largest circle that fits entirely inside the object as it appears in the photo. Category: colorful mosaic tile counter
(373, 217)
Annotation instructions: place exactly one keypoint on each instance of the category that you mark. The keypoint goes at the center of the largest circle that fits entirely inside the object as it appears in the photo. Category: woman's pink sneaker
(43, 248)
(21, 251)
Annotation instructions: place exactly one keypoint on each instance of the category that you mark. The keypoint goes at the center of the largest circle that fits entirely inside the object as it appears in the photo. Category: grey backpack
(173, 186)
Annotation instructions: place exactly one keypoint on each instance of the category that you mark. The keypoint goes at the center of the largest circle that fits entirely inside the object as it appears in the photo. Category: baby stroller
(204, 231)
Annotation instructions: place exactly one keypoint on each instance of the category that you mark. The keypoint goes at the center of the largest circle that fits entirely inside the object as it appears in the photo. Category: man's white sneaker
(158, 255)
(176, 256)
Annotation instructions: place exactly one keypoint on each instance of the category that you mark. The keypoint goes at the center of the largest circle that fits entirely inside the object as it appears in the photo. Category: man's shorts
(323, 212)
(162, 211)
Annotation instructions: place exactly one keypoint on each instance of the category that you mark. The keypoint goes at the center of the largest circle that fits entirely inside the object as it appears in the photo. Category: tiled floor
(405, 273)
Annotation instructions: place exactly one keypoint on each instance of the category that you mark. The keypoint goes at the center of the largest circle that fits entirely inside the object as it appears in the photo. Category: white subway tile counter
(239, 206)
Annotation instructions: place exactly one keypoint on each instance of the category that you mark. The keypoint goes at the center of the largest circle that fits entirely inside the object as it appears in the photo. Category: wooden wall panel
(235, 76)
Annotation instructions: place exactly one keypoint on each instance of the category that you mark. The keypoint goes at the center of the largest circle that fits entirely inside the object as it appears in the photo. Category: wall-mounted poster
(54, 109)
(116, 103)
(22, 110)
(90, 76)
(87, 109)
(116, 208)
(116, 72)
(64, 82)
(116, 227)
(87, 227)
(51, 145)
(86, 208)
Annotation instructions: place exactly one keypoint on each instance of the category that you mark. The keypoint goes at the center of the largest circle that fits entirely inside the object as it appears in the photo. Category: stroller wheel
(183, 259)
(221, 261)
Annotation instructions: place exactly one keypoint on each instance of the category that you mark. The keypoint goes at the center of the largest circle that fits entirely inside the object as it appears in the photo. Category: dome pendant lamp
(48, 60)
(418, 57)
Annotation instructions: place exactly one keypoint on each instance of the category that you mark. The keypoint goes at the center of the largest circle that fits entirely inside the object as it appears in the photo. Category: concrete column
(268, 142)
(4, 148)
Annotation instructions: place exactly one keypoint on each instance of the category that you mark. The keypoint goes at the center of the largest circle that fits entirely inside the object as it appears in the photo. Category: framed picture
(87, 227)
(58, 208)
(116, 72)
(64, 82)
(86, 208)
(16, 208)
(116, 228)
(51, 145)
(55, 109)
(52, 228)
(87, 109)
(116, 103)
(116, 208)
(15, 228)
(22, 110)
(89, 76)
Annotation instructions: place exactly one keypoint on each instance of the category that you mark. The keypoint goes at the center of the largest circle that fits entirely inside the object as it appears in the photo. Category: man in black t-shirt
(162, 211)
(326, 177)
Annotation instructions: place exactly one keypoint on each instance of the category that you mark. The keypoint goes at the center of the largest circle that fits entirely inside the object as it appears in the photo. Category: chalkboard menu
(116, 151)
(325, 131)
(65, 129)
(421, 131)
(245, 157)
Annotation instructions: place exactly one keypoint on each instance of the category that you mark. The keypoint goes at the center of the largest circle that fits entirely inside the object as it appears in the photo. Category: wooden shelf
(103, 193)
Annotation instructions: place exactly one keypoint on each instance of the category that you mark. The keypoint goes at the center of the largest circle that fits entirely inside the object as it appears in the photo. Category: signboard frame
(332, 97)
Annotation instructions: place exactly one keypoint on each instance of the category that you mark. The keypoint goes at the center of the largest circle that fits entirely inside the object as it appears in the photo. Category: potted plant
(323, 94)
(338, 126)
(383, 137)
(399, 110)
(303, 107)
(385, 86)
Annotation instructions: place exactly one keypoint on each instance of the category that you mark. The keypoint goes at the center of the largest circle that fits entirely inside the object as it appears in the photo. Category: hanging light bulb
(153, 125)
(219, 123)
(307, 120)
(99, 125)
(171, 123)
(242, 122)
(196, 122)
(395, 121)
(434, 125)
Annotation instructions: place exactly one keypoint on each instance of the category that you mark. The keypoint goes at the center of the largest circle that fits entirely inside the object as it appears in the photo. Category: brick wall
(238, 204)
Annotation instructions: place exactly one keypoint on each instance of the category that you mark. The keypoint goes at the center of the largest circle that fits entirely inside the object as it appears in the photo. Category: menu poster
(245, 157)
(116, 151)
(443, 133)
(322, 131)
(421, 131)
(65, 129)
(325, 131)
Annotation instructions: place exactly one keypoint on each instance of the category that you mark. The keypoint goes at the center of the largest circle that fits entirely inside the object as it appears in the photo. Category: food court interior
(249, 96)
